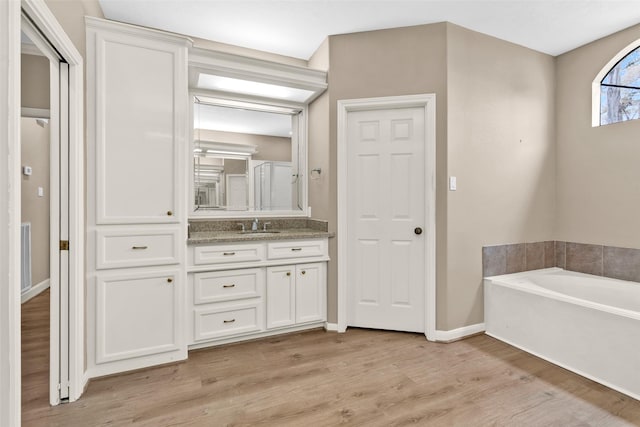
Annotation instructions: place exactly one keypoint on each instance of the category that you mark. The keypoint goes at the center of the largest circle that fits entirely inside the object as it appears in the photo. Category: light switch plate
(27, 170)
(40, 192)
(453, 183)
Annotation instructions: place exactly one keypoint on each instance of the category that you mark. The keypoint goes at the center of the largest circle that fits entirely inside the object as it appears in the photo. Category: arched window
(619, 89)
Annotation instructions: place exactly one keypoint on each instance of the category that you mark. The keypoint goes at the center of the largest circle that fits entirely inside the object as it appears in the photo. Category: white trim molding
(34, 291)
(459, 333)
(331, 327)
(10, 365)
(428, 102)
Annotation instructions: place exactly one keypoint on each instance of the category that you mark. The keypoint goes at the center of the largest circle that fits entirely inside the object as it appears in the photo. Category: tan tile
(534, 255)
(622, 263)
(584, 258)
(549, 254)
(560, 250)
(516, 258)
(494, 260)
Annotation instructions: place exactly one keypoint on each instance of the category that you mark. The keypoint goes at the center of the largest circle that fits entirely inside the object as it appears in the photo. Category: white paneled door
(386, 218)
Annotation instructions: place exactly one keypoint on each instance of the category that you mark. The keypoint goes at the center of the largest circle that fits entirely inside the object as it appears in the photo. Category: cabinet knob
(169, 280)
(288, 273)
(304, 272)
(169, 213)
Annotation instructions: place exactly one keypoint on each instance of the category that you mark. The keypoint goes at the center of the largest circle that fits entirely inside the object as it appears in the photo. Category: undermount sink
(259, 232)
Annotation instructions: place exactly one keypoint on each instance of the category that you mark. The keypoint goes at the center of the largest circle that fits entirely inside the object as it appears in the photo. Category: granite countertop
(221, 231)
(237, 236)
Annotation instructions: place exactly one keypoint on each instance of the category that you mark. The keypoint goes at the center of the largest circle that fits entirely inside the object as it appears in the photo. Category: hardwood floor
(362, 377)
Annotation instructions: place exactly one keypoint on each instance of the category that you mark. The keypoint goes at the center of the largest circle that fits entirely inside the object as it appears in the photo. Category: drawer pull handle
(296, 249)
(288, 273)
(304, 272)
(228, 253)
(229, 286)
(169, 280)
(229, 321)
(139, 247)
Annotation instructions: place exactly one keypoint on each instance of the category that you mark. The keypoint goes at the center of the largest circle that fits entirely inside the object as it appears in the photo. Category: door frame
(10, 112)
(44, 20)
(428, 102)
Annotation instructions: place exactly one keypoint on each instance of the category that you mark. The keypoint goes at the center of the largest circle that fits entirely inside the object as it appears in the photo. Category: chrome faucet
(254, 225)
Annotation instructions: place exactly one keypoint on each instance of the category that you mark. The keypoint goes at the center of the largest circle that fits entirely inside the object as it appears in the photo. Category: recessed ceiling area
(297, 27)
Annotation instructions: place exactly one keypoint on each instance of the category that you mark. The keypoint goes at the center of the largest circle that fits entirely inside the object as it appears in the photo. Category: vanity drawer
(220, 322)
(117, 248)
(229, 285)
(227, 254)
(297, 249)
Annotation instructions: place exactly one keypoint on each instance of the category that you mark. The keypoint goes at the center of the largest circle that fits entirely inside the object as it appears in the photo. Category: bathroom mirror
(246, 158)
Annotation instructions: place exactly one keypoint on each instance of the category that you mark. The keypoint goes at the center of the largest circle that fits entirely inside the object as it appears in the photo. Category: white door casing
(386, 174)
(43, 19)
(10, 213)
(67, 200)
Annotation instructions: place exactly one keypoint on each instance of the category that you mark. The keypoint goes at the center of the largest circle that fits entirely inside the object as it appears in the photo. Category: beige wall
(70, 14)
(398, 61)
(598, 173)
(495, 132)
(318, 143)
(274, 148)
(34, 84)
(35, 209)
(501, 148)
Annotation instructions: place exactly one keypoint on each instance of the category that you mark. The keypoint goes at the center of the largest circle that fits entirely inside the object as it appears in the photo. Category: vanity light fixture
(247, 87)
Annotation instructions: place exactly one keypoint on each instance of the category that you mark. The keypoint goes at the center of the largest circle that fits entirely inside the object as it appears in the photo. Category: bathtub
(587, 324)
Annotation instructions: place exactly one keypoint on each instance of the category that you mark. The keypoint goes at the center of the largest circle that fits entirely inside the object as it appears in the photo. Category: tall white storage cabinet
(137, 103)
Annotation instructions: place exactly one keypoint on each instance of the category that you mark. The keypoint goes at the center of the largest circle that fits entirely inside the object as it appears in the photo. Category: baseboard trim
(460, 333)
(35, 290)
(331, 327)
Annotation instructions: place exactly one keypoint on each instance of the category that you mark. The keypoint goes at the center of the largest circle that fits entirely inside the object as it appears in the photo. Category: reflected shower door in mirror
(246, 157)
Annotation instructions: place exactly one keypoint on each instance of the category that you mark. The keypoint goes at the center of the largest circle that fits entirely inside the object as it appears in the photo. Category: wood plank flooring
(316, 378)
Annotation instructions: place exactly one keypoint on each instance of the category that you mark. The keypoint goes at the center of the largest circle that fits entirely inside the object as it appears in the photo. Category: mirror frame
(195, 213)
(225, 64)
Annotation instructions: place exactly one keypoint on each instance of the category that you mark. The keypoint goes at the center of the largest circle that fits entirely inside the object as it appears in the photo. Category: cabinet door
(137, 315)
(281, 299)
(311, 292)
(141, 110)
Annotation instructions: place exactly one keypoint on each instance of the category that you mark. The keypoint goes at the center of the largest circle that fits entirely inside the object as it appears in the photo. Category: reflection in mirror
(245, 157)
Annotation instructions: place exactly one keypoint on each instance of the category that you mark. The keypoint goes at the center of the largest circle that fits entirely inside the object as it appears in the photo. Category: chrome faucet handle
(242, 225)
(264, 225)
(254, 224)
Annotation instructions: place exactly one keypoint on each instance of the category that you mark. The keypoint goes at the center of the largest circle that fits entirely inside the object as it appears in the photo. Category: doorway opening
(52, 168)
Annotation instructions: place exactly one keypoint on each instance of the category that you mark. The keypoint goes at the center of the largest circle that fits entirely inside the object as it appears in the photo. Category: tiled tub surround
(229, 230)
(599, 260)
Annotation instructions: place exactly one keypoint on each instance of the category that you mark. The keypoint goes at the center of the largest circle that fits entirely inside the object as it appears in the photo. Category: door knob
(418, 231)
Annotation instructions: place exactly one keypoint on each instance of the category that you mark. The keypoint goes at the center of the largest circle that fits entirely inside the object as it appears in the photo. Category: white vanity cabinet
(243, 290)
(296, 294)
(138, 131)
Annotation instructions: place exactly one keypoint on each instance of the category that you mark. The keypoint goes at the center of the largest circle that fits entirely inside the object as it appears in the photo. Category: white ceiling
(297, 27)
